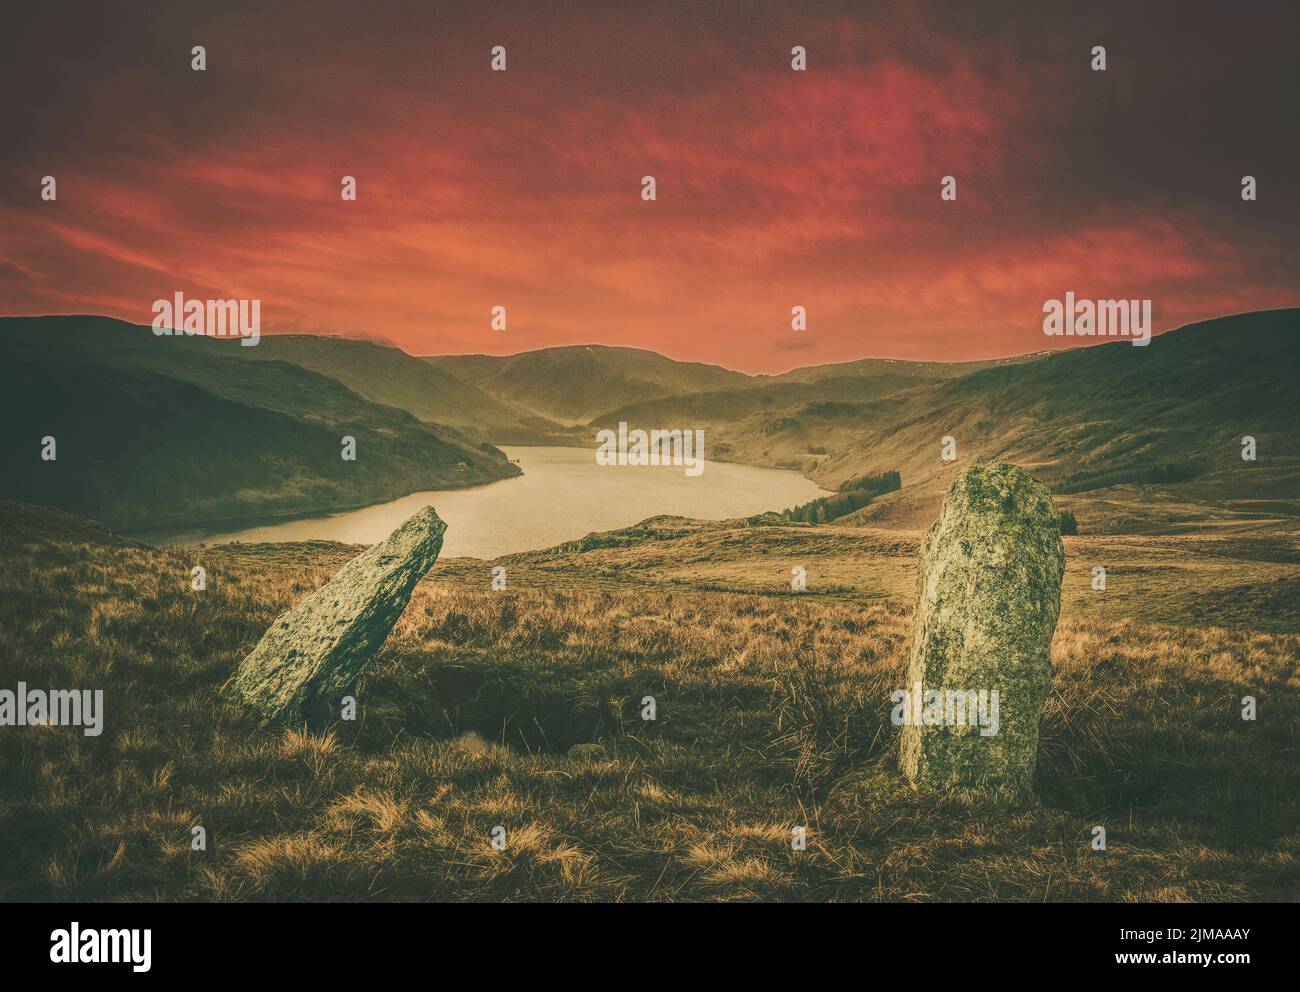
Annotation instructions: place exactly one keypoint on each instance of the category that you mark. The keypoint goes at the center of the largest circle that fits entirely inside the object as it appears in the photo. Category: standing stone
(989, 594)
(312, 655)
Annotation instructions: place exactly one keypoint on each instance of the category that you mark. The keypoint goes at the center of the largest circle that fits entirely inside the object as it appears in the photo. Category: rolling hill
(575, 384)
(1104, 425)
(388, 375)
(1130, 437)
(159, 431)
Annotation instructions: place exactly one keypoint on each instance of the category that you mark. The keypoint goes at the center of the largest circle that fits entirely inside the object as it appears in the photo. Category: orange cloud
(522, 189)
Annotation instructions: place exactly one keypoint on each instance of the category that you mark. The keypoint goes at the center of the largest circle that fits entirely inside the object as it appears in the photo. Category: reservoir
(562, 495)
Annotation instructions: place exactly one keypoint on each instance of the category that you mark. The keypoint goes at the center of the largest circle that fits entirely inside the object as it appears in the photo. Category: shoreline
(148, 535)
(209, 532)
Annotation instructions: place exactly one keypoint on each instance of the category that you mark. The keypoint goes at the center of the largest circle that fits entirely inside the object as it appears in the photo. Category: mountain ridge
(1092, 422)
(156, 432)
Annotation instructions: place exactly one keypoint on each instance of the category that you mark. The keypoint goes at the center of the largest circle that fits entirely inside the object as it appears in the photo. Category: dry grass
(773, 713)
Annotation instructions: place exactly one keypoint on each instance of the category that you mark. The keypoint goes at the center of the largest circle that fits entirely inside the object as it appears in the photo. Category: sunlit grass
(772, 713)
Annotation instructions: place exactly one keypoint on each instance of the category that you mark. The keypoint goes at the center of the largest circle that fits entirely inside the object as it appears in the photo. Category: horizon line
(379, 342)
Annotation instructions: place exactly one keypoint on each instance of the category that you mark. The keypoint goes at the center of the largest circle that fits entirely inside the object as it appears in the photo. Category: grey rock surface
(311, 656)
(989, 594)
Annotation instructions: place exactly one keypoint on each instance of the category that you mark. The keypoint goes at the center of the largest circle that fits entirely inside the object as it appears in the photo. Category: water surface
(562, 495)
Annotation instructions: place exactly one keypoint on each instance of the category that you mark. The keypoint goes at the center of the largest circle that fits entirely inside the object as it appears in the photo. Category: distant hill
(898, 371)
(575, 384)
(388, 375)
(778, 421)
(1126, 436)
(1107, 426)
(1168, 417)
(153, 431)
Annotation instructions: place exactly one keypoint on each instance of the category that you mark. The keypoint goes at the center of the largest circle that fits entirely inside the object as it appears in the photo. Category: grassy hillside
(390, 376)
(521, 709)
(154, 431)
(903, 373)
(575, 384)
(1092, 421)
(1157, 429)
(763, 404)
(1134, 439)
(1244, 574)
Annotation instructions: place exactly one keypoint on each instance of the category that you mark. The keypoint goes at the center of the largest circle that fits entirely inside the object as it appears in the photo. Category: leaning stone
(312, 655)
(989, 593)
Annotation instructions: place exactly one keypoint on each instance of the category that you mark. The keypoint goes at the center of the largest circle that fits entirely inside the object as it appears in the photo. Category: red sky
(775, 188)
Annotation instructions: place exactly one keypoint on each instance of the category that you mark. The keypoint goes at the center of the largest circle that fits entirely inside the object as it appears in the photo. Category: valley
(1131, 440)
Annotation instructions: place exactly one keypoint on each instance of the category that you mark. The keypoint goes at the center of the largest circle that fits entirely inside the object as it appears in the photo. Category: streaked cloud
(775, 188)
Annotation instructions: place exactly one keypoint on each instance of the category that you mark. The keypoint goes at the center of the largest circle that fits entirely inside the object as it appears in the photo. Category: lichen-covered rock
(989, 594)
(312, 655)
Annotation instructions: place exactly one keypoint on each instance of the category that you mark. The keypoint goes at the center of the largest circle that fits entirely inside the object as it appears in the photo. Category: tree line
(853, 495)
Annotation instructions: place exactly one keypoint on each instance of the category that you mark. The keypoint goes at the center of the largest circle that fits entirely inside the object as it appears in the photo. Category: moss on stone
(311, 656)
(989, 594)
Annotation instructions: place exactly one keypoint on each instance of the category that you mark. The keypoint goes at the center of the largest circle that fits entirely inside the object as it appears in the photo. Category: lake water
(562, 495)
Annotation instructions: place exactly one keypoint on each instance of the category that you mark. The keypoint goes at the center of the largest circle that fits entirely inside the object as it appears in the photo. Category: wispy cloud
(522, 188)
